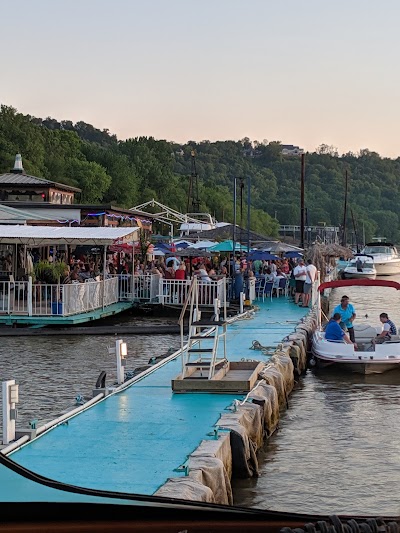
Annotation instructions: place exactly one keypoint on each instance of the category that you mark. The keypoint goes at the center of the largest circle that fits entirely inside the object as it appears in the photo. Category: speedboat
(369, 358)
(362, 266)
(385, 256)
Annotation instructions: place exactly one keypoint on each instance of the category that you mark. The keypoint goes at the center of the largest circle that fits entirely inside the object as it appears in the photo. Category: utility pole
(346, 187)
(302, 209)
(193, 201)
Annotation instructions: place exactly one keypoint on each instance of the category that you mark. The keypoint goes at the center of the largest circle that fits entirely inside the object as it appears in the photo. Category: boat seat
(364, 332)
(394, 338)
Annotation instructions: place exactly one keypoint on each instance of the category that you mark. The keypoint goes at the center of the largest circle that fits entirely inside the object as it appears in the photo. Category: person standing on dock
(348, 314)
(300, 275)
(308, 285)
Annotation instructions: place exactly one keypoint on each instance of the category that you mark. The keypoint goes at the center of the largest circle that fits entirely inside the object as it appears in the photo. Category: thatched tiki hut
(324, 256)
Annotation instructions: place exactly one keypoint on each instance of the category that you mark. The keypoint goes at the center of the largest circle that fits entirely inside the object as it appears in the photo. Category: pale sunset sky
(304, 73)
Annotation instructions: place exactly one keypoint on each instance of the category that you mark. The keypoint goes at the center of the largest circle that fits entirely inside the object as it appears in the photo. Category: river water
(52, 371)
(338, 446)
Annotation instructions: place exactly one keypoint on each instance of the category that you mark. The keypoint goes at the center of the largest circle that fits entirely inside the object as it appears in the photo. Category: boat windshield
(378, 250)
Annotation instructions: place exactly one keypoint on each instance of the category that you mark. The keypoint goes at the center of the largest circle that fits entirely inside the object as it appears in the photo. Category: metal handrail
(186, 302)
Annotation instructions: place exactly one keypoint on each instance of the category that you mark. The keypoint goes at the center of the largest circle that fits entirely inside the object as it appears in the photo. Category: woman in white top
(203, 275)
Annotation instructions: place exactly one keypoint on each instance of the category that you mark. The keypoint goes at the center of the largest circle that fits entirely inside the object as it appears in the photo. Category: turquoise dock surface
(59, 320)
(134, 440)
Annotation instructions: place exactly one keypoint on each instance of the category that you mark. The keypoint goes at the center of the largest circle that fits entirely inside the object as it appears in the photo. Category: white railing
(174, 292)
(14, 297)
(45, 299)
(146, 288)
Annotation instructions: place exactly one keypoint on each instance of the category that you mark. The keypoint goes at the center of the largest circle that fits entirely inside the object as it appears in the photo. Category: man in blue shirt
(348, 314)
(334, 332)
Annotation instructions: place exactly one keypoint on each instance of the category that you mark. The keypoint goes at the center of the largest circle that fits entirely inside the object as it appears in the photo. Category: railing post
(29, 296)
(319, 301)
(161, 291)
(9, 298)
(241, 300)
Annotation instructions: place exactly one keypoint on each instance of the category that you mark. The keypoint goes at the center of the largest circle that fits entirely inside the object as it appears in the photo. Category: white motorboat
(385, 256)
(369, 358)
(362, 266)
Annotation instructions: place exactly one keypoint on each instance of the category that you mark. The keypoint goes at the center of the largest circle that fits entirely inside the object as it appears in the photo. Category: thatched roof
(224, 233)
(323, 255)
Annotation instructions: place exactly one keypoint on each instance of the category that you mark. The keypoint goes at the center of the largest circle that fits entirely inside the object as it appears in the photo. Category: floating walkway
(137, 439)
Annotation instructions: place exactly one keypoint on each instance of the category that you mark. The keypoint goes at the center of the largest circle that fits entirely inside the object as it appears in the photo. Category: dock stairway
(199, 362)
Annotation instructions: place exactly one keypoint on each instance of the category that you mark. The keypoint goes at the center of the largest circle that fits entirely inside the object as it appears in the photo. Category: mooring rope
(256, 345)
(335, 525)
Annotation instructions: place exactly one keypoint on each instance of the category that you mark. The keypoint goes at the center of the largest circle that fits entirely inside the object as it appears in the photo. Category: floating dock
(135, 440)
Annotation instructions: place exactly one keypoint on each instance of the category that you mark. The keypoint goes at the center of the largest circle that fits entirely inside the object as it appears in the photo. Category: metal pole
(248, 214)
(234, 228)
(302, 213)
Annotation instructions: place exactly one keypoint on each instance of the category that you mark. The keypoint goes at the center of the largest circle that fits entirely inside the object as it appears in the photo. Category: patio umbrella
(227, 246)
(191, 252)
(293, 254)
(280, 247)
(262, 256)
(201, 245)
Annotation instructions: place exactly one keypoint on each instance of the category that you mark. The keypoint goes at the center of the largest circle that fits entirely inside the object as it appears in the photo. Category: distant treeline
(127, 173)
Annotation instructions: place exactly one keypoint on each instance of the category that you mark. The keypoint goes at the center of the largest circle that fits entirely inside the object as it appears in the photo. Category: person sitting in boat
(335, 333)
(348, 314)
(388, 329)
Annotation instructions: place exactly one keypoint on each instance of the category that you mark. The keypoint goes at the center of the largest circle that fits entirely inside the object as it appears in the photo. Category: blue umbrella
(259, 255)
(293, 254)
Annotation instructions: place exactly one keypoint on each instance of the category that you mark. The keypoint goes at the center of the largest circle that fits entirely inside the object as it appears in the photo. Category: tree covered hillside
(130, 172)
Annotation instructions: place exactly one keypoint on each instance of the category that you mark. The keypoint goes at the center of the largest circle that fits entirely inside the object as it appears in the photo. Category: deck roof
(45, 235)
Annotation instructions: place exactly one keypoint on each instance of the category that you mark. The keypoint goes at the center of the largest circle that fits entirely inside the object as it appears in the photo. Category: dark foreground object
(140, 513)
(174, 517)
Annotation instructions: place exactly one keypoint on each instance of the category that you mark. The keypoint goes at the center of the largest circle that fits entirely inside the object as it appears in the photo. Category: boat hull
(370, 358)
(359, 275)
(360, 367)
(389, 268)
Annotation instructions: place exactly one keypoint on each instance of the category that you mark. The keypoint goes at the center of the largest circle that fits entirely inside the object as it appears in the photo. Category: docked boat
(362, 266)
(385, 256)
(370, 357)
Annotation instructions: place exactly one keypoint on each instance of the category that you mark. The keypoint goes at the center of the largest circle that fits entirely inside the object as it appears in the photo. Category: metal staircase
(194, 355)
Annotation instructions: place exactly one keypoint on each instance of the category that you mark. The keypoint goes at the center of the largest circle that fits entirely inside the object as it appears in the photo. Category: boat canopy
(359, 282)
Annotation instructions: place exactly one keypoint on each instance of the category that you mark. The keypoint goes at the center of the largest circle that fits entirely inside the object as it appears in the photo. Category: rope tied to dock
(335, 525)
(267, 350)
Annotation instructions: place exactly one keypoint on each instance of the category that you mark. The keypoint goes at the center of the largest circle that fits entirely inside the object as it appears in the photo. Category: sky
(302, 73)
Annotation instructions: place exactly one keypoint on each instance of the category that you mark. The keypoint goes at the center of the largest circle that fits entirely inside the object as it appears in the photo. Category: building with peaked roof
(16, 185)
(43, 202)
(290, 149)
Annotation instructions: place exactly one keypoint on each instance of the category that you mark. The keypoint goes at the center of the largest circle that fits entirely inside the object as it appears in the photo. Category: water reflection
(338, 446)
(52, 371)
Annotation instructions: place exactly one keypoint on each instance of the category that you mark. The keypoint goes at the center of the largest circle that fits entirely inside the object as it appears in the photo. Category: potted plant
(51, 273)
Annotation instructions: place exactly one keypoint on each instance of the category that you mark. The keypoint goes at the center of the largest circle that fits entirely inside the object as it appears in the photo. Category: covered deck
(24, 301)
